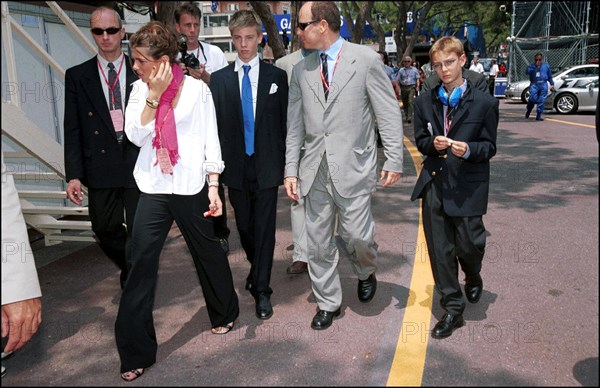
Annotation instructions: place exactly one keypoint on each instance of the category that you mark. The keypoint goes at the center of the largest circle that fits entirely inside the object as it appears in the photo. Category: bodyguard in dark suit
(97, 152)
(455, 129)
(251, 102)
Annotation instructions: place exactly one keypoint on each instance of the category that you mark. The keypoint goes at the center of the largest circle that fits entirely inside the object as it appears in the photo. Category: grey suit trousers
(324, 206)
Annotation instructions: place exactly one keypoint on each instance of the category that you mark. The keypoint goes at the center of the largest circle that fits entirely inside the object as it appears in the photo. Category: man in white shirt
(493, 73)
(476, 66)
(211, 58)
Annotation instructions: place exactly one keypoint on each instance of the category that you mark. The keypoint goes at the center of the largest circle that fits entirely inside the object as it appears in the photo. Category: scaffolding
(565, 32)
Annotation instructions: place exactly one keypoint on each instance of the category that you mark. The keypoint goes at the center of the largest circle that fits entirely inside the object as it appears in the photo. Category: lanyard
(111, 87)
(326, 82)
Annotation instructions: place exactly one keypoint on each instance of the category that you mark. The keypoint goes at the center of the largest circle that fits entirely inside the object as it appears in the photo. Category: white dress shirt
(197, 138)
(122, 77)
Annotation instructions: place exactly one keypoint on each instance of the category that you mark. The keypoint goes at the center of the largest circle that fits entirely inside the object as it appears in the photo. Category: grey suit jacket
(19, 275)
(343, 127)
(288, 62)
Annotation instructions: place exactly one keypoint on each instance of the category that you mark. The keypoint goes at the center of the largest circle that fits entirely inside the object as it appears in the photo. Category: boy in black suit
(251, 99)
(455, 128)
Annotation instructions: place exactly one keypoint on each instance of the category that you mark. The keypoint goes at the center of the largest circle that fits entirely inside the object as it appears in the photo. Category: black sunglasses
(109, 30)
(302, 26)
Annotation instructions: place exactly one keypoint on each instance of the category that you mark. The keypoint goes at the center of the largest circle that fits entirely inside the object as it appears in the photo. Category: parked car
(581, 96)
(520, 90)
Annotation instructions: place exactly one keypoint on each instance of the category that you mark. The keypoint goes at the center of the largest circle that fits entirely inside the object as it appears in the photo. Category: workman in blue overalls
(539, 75)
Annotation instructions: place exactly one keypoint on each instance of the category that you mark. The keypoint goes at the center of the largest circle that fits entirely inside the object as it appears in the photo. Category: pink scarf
(166, 131)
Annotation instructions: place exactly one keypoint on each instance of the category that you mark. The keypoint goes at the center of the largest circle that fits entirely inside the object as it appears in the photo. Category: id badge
(116, 115)
(163, 161)
(538, 74)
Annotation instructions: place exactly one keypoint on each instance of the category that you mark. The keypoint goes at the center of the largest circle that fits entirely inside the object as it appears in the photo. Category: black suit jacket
(92, 153)
(269, 125)
(465, 182)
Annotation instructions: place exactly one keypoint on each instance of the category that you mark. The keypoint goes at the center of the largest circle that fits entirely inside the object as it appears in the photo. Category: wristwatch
(152, 103)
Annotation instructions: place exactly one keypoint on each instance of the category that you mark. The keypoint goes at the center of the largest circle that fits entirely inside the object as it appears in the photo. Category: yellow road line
(559, 121)
(411, 349)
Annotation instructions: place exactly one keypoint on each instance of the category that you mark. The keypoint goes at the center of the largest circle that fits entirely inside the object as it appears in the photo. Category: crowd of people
(156, 137)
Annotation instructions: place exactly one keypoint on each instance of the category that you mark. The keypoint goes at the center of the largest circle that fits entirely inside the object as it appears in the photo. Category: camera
(503, 8)
(189, 60)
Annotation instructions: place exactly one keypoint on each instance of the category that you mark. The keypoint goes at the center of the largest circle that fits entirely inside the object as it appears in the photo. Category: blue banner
(283, 22)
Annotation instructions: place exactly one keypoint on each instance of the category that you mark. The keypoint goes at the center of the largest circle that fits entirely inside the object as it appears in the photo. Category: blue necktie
(248, 110)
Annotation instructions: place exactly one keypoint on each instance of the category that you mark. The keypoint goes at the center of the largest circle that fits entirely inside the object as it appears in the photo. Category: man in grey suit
(336, 94)
(299, 256)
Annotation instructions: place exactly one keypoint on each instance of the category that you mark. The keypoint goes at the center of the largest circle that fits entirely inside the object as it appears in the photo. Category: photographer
(208, 59)
(198, 59)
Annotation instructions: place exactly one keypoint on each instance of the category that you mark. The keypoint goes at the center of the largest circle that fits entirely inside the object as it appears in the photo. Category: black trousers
(255, 215)
(451, 241)
(134, 327)
(112, 213)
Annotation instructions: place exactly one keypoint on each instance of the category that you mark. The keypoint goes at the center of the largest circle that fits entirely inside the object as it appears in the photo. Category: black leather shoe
(264, 310)
(323, 319)
(297, 267)
(473, 288)
(446, 325)
(367, 288)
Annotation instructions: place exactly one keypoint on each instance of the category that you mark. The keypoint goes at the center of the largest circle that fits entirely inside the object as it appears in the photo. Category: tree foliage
(266, 16)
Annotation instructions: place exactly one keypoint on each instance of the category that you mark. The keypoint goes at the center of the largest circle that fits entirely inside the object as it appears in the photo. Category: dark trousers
(451, 241)
(112, 213)
(134, 328)
(220, 223)
(255, 216)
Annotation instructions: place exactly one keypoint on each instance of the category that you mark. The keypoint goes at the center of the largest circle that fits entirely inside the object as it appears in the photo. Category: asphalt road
(535, 325)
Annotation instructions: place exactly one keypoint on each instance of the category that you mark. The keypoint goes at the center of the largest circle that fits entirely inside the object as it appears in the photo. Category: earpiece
(454, 98)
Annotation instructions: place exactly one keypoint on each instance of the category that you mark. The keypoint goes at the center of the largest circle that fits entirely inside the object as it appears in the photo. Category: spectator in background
(300, 245)
(493, 73)
(502, 70)
(21, 293)
(539, 75)
(476, 66)
(408, 77)
(211, 58)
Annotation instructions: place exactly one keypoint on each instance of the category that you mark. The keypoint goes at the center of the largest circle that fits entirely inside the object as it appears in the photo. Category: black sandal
(136, 372)
(222, 329)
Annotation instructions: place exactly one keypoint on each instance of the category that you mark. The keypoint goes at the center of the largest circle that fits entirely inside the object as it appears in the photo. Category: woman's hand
(215, 208)
(159, 80)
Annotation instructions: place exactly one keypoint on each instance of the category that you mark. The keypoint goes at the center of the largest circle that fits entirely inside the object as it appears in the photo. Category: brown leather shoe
(296, 268)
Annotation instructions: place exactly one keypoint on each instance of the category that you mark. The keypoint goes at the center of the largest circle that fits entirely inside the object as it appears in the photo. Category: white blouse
(197, 138)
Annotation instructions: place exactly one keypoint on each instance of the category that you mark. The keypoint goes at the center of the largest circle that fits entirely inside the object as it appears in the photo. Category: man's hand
(74, 192)
(389, 177)
(20, 321)
(291, 187)
(200, 73)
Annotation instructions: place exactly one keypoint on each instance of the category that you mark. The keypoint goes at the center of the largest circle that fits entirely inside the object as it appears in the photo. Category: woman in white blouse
(171, 117)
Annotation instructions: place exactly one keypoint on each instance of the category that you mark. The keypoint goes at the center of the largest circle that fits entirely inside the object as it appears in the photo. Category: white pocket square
(273, 89)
